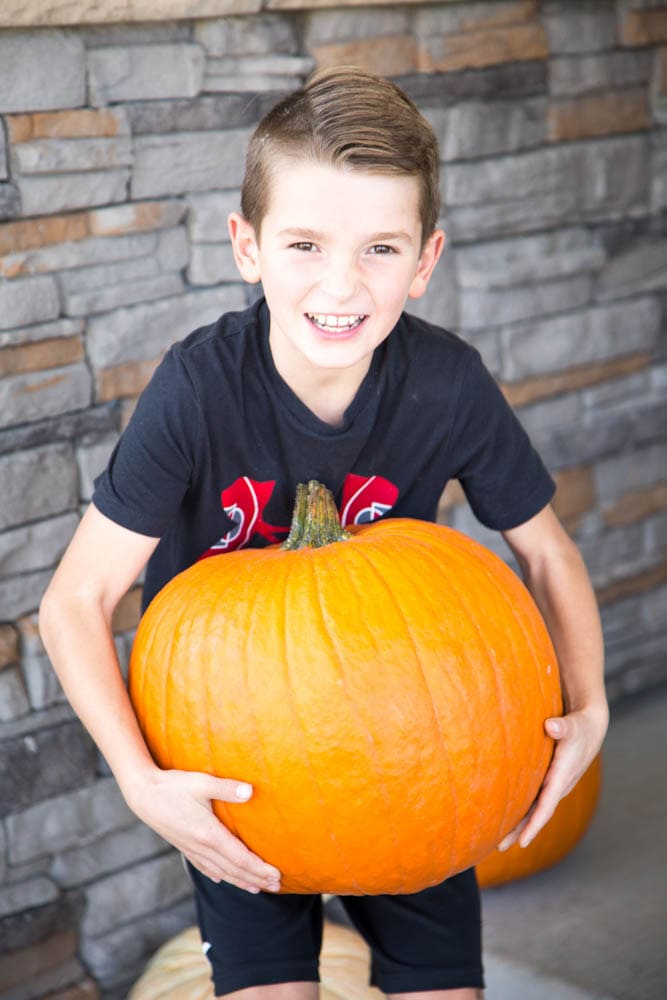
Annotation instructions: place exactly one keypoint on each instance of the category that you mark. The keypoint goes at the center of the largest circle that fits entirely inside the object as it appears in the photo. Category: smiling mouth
(329, 323)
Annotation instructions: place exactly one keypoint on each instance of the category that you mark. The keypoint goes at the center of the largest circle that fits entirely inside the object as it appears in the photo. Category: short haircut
(345, 116)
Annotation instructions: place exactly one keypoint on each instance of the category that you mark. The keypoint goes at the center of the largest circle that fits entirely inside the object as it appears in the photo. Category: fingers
(223, 857)
(182, 813)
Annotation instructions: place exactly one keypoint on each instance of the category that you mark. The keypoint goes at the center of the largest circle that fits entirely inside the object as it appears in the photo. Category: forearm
(562, 590)
(77, 636)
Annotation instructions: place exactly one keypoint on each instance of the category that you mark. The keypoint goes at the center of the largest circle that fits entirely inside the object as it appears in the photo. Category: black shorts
(425, 941)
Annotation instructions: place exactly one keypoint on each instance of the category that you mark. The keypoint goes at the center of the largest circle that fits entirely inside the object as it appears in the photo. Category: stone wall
(121, 150)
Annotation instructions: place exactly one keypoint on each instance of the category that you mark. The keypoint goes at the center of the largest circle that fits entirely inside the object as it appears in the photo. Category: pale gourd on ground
(179, 970)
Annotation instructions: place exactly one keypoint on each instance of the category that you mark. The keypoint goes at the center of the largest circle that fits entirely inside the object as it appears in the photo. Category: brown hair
(345, 116)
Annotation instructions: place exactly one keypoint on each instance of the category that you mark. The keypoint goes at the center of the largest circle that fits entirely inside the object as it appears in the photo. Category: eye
(304, 246)
(382, 249)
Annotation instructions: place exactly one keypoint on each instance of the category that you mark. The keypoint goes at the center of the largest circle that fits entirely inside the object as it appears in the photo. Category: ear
(245, 246)
(427, 260)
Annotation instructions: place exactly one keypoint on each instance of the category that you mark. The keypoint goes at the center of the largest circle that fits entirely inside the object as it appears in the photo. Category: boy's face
(338, 255)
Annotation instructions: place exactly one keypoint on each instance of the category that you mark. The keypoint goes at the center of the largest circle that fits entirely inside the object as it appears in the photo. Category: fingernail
(502, 846)
(243, 791)
(525, 843)
(254, 891)
(273, 887)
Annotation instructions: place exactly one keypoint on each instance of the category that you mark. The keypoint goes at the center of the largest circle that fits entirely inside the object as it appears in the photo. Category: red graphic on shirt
(245, 502)
(365, 499)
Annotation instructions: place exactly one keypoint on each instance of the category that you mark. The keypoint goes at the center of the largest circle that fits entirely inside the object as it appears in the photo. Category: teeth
(332, 322)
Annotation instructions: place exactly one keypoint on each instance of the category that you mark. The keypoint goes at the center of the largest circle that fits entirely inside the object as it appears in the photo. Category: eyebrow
(313, 236)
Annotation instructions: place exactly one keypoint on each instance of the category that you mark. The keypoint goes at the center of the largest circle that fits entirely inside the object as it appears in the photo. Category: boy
(326, 378)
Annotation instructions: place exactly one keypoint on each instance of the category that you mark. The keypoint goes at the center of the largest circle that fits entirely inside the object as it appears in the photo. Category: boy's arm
(99, 566)
(556, 576)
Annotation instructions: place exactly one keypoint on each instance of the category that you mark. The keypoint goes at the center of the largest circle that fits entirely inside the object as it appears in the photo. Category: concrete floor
(595, 926)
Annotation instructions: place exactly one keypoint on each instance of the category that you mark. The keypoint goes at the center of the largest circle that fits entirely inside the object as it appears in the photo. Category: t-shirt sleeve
(502, 475)
(152, 465)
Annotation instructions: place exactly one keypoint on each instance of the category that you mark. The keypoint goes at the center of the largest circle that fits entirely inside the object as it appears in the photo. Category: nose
(340, 279)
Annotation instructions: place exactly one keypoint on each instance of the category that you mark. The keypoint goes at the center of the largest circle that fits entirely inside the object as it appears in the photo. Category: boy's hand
(178, 806)
(579, 736)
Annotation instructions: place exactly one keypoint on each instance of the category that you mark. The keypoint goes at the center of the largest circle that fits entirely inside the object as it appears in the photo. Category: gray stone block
(658, 169)
(10, 201)
(534, 190)
(597, 334)
(89, 252)
(96, 36)
(28, 300)
(92, 460)
(80, 425)
(41, 70)
(629, 471)
(41, 681)
(509, 81)
(162, 286)
(134, 892)
(42, 331)
(27, 895)
(641, 269)
(3, 154)
(473, 129)
(19, 595)
(35, 546)
(13, 697)
(540, 419)
(579, 27)
(143, 332)
(324, 27)
(173, 249)
(106, 275)
(570, 77)
(108, 854)
(190, 161)
(37, 395)
(39, 924)
(602, 432)
(656, 532)
(529, 259)
(653, 608)
(116, 959)
(262, 34)
(208, 213)
(66, 821)
(63, 192)
(145, 72)
(627, 387)
(209, 112)
(222, 81)
(244, 68)
(36, 484)
(481, 308)
(61, 156)
(211, 263)
(618, 553)
(3, 855)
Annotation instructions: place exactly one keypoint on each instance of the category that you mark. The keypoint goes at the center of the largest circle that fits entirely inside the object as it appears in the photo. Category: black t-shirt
(218, 442)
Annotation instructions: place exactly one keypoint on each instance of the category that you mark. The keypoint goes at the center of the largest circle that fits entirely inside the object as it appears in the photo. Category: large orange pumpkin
(385, 694)
(554, 841)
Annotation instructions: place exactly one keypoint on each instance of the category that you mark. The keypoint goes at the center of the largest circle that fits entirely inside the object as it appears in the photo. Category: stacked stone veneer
(121, 153)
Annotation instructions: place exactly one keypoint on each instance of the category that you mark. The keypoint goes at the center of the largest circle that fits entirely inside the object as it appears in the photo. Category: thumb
(226, 789)
(557, 728)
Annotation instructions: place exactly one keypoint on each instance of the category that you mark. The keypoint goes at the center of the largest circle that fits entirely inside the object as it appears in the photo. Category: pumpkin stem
(315, 521)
